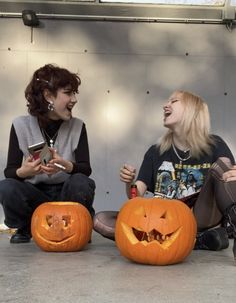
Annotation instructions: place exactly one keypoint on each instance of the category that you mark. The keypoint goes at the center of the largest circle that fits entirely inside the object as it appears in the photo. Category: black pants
(19, 199)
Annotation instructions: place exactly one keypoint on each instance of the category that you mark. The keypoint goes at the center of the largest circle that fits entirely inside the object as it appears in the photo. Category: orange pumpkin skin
(61, 226)
(155, 231)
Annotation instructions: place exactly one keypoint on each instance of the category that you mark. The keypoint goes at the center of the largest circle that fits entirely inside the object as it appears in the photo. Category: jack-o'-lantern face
(155, 231)
(61, 226)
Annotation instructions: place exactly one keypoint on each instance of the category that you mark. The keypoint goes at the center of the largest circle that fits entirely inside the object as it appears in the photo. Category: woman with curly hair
(64, 176)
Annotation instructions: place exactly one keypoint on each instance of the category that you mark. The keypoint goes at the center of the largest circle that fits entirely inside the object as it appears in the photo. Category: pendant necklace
(51, 139)
(179, 157)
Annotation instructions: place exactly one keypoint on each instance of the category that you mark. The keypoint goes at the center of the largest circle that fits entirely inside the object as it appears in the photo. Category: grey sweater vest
(28, 133)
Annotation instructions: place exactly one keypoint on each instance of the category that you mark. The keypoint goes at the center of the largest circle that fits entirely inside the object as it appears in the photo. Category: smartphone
(40, 151)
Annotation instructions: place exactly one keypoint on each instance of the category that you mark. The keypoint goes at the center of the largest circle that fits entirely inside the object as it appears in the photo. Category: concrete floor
(100, 274)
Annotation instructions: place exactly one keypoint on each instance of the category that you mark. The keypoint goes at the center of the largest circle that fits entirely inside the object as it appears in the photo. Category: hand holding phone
(40, 151)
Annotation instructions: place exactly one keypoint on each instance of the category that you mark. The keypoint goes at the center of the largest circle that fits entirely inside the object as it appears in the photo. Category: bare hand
(127, 173)
(29, 168)
(230, 175)
(51, 168)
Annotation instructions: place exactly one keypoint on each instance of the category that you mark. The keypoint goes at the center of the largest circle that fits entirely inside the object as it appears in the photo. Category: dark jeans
(19, 199)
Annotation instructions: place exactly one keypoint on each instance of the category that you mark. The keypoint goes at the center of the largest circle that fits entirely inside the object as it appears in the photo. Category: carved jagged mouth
(139, 236)
(151, 236)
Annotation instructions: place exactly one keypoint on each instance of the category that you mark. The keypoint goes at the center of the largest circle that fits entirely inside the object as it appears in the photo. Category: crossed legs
(217, 200)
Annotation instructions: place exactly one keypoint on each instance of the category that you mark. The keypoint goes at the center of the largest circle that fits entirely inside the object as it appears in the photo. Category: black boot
(230, 219)
(212, 239)
(22, 235)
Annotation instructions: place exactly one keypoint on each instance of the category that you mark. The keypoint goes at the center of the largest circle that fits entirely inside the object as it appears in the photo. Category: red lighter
(133, 191)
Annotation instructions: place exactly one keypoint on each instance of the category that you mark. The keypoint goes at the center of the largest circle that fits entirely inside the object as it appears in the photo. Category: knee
(219, 167)
(7, 187)
(104, 223)
(225, 160)
(82, 183)
(79, 188)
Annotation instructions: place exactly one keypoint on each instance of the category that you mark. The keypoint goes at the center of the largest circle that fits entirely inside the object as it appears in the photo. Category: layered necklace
(179, 157)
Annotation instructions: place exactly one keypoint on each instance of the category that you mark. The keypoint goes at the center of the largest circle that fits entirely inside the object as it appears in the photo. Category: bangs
(65, 79)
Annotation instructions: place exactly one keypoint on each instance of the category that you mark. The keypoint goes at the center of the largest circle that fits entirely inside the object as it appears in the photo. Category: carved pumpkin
(61, 226)
(155, 231)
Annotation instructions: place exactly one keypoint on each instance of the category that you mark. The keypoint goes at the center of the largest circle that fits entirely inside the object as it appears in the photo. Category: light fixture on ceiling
(30, 18)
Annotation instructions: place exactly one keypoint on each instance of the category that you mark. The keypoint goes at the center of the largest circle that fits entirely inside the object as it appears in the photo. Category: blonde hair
(195, 126)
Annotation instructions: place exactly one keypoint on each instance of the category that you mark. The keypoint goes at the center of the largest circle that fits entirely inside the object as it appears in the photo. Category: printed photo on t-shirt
(177, 181)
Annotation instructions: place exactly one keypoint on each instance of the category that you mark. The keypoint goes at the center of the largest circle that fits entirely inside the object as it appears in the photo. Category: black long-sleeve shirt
(15, 155)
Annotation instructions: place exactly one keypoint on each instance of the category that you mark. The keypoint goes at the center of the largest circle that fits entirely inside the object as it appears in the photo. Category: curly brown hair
(52, 78)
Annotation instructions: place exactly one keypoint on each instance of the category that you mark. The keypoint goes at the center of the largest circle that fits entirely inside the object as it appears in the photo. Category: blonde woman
(183, 159)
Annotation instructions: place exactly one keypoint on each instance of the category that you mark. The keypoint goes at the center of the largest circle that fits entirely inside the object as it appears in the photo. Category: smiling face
(61, 226)
(155, 231)
(63, 103)
(173, 111)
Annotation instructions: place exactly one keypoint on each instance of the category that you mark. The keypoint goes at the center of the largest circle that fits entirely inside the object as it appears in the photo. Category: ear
(48, 96)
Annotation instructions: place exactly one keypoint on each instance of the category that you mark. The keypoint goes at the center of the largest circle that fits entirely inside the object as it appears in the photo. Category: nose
(166, 105)
(74, 98)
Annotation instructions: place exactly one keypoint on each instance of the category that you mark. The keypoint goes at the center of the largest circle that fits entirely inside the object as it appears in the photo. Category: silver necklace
(178, 156)
(51, 140)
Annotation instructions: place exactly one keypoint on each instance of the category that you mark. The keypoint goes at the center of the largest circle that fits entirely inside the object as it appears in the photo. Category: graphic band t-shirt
(167, 176)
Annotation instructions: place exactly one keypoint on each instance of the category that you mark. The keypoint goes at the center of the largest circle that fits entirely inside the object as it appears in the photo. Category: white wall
(128, 70)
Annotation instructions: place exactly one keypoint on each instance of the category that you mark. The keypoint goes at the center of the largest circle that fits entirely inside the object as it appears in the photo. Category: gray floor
(100, 274)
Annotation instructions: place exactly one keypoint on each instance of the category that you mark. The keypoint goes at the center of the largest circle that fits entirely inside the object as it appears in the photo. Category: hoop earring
(50, 106)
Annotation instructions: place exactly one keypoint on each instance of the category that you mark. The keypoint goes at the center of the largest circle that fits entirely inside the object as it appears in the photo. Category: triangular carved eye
(163, 216)
(140, 212)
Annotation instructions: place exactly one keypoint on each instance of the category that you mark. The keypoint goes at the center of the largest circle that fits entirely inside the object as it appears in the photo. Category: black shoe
(21, 236)
(213, 239)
